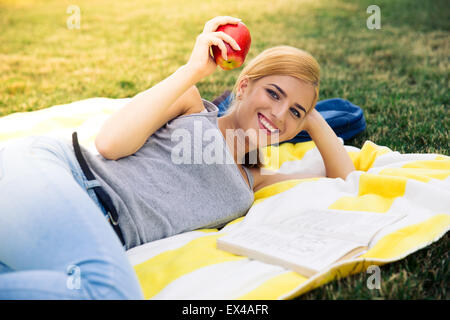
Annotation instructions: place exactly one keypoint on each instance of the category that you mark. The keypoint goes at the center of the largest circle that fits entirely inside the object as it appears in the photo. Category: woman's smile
(267, 125)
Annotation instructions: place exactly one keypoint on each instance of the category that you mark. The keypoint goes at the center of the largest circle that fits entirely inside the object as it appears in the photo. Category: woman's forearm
(336, 159)
(124, 132)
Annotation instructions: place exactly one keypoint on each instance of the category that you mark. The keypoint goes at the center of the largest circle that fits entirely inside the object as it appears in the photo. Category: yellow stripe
(275, 156)
(157, 272)
(368, 154)
(278, 187)
(296, 151)
(376, 194)
(330, 275)
(423, 175)
(385, 186)
(442, 165)
(406, 239)
(275, 287)
(424, 170)
(368, 203)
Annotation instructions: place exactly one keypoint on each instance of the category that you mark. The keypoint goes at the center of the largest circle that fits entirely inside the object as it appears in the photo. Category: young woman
(60, 234)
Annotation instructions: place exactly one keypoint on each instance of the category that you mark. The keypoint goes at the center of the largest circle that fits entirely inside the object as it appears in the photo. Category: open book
(306, 241)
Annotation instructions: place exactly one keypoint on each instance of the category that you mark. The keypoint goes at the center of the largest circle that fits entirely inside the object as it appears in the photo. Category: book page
(356, 226)
(291, 250)
(311, 239)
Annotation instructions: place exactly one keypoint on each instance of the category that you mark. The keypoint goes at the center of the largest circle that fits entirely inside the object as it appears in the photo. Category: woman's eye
(273, 94)
(295, 112)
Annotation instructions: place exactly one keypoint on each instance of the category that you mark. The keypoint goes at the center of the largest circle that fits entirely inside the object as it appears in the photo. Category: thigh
(49, 222)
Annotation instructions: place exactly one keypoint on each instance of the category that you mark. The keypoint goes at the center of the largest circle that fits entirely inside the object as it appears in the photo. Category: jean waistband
(104, 198)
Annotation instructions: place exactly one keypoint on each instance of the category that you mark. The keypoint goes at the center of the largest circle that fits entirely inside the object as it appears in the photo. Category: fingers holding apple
(216, 22)
(227, 40)
(229, 46)
(234, 58)
(201, 63)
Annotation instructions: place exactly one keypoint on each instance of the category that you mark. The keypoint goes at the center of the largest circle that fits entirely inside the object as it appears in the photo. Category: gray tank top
(172, 185)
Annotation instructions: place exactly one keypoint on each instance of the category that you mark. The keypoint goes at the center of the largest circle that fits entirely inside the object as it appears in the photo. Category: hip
(22, 155)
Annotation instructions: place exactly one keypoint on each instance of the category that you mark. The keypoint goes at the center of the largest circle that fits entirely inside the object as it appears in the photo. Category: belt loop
(90, 184)
(111, 219)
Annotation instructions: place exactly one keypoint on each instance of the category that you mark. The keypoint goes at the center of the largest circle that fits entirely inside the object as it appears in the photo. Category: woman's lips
(267, 125)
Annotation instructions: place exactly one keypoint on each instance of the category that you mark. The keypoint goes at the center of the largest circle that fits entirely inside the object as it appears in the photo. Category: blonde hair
(280, 60)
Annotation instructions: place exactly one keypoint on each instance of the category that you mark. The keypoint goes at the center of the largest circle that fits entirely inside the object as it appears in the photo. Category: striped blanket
(189, 265)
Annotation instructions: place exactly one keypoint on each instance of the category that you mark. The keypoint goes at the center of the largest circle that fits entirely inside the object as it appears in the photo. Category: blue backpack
(345, 118)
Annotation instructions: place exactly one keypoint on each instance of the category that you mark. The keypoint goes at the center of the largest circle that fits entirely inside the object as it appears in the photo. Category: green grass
(398, 74)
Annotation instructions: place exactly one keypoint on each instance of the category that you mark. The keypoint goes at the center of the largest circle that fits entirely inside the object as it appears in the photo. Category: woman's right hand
(201, 62)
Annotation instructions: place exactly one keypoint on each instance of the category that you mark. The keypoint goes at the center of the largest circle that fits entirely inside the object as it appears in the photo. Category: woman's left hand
(338, 163)
(311, 120)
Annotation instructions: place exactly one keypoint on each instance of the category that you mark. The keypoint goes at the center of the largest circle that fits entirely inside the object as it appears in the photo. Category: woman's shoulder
(204, 107)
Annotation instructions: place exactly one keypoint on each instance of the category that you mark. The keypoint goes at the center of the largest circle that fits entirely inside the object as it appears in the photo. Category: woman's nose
(279, 116)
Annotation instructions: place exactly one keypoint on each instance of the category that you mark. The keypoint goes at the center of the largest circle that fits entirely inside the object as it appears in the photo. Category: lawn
(398, 74)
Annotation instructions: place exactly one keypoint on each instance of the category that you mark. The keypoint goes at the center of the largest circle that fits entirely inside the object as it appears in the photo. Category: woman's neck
(237, 142)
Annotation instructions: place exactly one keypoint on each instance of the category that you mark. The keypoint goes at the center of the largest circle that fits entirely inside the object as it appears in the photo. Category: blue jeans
(55, 239)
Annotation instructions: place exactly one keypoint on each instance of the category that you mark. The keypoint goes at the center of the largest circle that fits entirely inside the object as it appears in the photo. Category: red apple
(240, 33)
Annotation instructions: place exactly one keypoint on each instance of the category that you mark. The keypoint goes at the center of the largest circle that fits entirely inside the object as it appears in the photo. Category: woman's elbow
(104, 150)
(346, 174)
(343, 173)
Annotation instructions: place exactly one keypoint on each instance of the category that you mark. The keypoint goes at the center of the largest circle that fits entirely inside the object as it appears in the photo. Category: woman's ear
(243, 85)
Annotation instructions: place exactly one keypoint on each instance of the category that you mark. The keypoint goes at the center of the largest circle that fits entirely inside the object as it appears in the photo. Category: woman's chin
(263, 140)
(266, 138)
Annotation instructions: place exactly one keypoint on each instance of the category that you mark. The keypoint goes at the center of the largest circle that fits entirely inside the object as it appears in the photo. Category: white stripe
(396, 159)
(420, 202)
(227, 280)
(441, 184)
(310, 163)
(305, 195)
